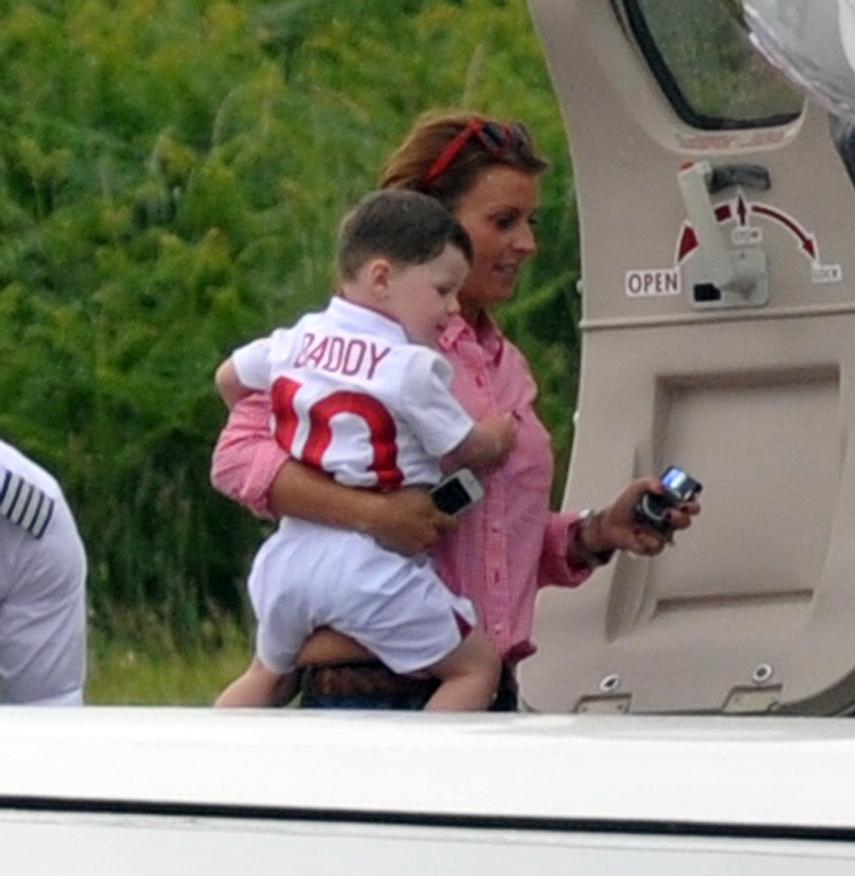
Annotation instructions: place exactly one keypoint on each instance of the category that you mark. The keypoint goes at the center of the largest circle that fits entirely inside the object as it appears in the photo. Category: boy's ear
(378, 274)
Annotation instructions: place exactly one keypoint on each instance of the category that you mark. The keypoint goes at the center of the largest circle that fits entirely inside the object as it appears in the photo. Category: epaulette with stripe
(24, 504)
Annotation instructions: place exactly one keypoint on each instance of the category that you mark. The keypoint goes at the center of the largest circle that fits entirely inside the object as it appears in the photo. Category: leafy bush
(171, 175)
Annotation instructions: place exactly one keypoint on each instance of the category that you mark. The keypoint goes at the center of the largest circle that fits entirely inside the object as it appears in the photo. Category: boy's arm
(228, 384)
(247, 370)
(487, 444)
(442, 425)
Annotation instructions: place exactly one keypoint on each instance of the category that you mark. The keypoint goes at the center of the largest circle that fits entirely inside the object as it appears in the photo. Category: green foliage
(135, 660)
(171, 176)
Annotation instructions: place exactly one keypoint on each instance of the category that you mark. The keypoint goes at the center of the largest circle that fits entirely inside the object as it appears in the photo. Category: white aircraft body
(688, 706)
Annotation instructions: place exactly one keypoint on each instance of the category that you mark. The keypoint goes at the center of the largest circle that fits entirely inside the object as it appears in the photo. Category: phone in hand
(457, 492)
(680, 487)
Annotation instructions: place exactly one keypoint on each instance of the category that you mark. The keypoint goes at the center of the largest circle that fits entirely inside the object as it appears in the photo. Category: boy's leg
(469, 676)
(401, 610)
(258, 686)
(282, 608)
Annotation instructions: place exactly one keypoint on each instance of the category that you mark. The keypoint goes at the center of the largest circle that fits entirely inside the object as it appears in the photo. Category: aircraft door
(718, 265)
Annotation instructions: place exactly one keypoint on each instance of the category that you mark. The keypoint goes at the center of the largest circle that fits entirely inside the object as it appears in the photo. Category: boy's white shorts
(306, 576)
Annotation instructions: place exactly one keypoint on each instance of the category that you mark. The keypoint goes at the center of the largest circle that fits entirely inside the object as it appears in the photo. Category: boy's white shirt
(411, 381)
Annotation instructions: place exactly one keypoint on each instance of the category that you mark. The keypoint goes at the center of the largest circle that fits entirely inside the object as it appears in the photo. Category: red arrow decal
(809, 246)
(688, 242)
(807, 241)
(741, 210)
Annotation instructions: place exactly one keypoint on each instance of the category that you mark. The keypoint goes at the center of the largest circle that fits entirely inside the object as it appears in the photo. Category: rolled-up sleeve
(247, 457)
(557, 564)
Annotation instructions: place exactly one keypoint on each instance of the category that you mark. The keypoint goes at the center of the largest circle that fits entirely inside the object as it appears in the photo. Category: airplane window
(706, 67)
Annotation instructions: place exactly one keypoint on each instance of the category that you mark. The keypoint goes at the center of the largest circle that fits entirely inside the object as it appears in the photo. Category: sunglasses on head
(496, 138)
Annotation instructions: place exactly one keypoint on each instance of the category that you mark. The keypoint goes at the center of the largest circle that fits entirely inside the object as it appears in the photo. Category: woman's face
(499, 213)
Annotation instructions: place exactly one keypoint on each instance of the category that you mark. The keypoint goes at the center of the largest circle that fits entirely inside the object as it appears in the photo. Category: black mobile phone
(679, 487)
(457, 492)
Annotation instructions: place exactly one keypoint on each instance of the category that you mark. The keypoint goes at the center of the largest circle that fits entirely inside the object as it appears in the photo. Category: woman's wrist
(308, 494)
(591, 544)
(367, 513)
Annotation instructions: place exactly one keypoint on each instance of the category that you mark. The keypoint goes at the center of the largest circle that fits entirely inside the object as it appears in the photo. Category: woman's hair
(444, 154)
(408, 228)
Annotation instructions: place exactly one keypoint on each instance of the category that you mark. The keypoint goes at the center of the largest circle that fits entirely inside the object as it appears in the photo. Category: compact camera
(679, 487)
(457, 492)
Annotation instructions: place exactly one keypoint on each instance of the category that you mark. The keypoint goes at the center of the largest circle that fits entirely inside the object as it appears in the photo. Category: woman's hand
(407, 521)
(616, 528)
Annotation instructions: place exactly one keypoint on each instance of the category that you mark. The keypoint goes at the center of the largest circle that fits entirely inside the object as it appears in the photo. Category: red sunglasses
(497, 139)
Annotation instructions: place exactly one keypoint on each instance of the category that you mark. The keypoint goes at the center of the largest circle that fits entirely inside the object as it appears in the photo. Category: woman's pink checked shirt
(506, 546)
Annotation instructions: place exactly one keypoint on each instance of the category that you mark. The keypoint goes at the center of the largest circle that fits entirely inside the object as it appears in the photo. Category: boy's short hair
(408, 228)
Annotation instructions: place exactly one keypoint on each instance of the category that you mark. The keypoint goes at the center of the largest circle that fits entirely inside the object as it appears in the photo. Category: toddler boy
(359, 392)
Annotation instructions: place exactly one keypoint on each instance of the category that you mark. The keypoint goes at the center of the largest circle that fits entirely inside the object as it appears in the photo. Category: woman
(507, 546)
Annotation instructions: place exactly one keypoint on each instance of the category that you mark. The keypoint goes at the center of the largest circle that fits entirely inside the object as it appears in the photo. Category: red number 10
(381, 428)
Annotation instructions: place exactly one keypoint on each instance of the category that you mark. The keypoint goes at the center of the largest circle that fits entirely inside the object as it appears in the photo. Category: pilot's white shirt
(42, 588)
(374, 410)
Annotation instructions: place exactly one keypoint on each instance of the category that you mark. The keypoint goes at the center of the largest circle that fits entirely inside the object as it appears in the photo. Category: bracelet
(590, 558)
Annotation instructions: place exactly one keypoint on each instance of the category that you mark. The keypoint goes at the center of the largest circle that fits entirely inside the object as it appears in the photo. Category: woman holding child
(509, 545)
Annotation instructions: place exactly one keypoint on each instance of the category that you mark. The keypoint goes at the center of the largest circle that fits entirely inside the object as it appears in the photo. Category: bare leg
(469, 676)
(258, 686)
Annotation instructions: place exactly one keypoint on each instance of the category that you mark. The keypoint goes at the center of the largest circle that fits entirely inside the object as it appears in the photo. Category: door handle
(739, 276)
(749, 176)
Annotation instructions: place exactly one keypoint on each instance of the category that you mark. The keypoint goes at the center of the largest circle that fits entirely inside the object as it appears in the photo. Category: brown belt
(334, 673)
(371, 682)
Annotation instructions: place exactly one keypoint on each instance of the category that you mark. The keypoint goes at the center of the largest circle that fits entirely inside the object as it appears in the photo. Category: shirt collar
(488, 336)
(359, 318)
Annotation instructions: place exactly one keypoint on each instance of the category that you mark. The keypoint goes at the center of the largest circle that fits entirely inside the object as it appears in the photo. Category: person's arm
(487, 445)
(405, 521)
(574, 545)
(615, 527)
(228, 384)
(250, 467)
(442, 425)
(247, 457)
